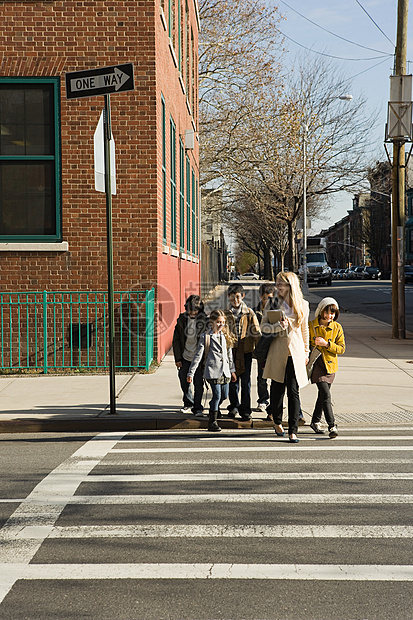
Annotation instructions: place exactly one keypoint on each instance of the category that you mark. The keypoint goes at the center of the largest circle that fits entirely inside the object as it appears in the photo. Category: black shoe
(232, 412)
(213, 426)
(246, 416)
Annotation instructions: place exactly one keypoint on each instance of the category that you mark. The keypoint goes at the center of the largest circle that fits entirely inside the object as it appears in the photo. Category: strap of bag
(207, 345)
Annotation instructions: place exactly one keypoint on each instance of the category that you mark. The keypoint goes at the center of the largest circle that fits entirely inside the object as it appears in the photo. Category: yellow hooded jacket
(334, 335)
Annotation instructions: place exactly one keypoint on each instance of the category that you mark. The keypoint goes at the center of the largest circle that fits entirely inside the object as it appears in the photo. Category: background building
(52, 221)
(364, 235)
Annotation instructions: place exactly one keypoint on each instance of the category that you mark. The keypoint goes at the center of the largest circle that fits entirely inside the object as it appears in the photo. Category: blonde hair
(231, 340)
(296, 295)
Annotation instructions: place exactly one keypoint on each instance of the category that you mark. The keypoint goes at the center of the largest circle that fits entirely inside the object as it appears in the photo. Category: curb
(98, 425)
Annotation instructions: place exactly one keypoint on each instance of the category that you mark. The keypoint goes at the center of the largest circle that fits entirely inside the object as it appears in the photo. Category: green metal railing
(58, 330)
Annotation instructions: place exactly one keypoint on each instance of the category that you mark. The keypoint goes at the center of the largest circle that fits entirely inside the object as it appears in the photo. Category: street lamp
(344, 97)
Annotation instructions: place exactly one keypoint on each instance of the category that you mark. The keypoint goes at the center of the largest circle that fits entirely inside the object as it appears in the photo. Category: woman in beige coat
(288, 353)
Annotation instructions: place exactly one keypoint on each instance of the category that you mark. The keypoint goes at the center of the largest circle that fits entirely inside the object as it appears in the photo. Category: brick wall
(52, 38)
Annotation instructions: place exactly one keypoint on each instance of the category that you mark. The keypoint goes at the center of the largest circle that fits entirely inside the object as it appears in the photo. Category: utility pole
(399, 192)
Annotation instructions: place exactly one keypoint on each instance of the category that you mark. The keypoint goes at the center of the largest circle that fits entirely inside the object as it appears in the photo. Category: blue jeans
(198, 383)
(219, 394)
(244, 382)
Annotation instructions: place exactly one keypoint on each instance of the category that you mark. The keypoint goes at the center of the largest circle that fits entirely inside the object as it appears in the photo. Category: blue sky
(347, 19)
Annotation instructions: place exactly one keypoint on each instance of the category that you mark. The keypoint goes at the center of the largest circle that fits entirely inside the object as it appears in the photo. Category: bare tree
(239, 52)
(262, 155)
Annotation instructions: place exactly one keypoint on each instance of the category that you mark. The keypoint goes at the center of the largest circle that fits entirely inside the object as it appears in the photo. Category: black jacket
(273, 305)
(179, 338)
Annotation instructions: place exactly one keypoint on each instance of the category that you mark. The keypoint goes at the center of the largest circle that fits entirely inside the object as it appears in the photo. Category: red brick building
(52, 221)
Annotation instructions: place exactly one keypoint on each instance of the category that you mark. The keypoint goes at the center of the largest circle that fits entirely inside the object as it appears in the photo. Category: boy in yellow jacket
(328, 337)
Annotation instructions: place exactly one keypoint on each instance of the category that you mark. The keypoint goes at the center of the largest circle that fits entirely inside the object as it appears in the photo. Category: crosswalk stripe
(321, 446)
(314, 438)
(249, 498)
(196, 434)
(221, 531)
(242, 461)
(271, 436)
(303, 437)
(249, 476)
(50, 503)
(325, 572)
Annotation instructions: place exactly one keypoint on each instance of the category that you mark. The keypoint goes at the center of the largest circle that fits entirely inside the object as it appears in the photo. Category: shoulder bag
(314, 355)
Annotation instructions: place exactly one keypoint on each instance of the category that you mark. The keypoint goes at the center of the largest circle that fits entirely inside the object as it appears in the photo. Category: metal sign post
(104, 81)
(106, 143)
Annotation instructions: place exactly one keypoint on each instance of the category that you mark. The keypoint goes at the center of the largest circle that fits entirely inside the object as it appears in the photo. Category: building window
(163, 171)
(193, 215)
(197, 216)
(181, 30)
(191, 94)
(187, 52)
(181, 196)
(188, 205)
(173, 181)
(30, 160)
(171, 21)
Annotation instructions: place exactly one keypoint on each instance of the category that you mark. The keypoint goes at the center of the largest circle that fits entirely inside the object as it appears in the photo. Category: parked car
(351, 274)
(249, 276)
(334, 273)
(347, 274)
(408, 273)
(371, 273)
(358, 273)
(340, 274)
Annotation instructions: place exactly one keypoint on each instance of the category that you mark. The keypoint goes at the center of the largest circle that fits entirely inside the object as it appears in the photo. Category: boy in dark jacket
(243, 325)
(188, 329)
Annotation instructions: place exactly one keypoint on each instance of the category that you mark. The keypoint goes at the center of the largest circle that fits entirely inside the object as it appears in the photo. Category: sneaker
(262, 407)
(333, 432)
(301, 421)
(186, 410)
(232, 413)
(199, 414)
(316, 426)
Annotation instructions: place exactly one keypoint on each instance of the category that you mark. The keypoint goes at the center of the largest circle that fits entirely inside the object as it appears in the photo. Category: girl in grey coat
(215, 346)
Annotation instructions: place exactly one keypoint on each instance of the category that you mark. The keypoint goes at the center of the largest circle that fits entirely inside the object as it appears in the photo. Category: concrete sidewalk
(374, 385)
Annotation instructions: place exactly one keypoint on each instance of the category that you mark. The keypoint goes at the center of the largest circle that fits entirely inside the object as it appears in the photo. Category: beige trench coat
(294, 341)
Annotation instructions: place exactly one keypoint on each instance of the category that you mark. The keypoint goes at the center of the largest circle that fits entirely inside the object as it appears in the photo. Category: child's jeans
(198, 383)
(243, 381)
(219, 394)
(323, 404)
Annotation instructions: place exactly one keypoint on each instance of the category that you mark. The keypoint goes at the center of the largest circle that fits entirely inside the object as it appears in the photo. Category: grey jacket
(219, 361)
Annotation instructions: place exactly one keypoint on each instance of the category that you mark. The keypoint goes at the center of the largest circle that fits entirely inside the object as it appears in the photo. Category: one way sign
(100, 81)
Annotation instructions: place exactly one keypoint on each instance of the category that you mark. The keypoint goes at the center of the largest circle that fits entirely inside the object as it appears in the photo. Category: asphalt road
(187, 526)
(369, 297)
